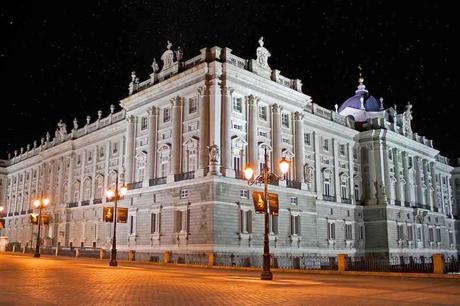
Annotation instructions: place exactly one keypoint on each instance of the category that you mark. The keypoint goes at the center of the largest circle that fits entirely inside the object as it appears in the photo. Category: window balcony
(184, 176)
(397, 203)
(85, 203)
(72, 204)
(157, 181)
(97, 201)
(346, 200)
(327, 197)
(23, 212)
(10, 214)
(293, 184)
(16, 213)
(406, 204)
(135, 185)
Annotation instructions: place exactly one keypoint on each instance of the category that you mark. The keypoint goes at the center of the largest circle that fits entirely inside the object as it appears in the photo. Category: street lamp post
(40, 204)
(116, 195)
(264, 178)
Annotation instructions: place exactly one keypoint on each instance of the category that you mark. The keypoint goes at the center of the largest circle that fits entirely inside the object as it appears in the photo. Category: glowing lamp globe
(284, 166)
(46, 201)
(110, 193)
(37, 203)
(248, 173)
(123, 190)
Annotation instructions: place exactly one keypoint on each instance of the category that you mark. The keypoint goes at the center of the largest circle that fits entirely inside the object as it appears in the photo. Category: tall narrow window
(306, 139)
(238, 105)
(131, 225)
(295, 224)
(153, 223)
(327, 187)
(178, 221)
(343, 188)
(273, 224)
(166, 114)
(143, 123)
(331, 230)
(285, 120)
(400, 231)
(410, 232)
(192, 106)
(263, 112)
(357, 192)
(237, 164)
(348, 232)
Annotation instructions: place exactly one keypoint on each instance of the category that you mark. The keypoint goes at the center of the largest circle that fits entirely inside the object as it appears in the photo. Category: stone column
(351, 187)
(61, 181)
(276, 137)
(176, 149)
(428, 201)
(318, 183)
(204, 130)
(407, 195)
(299, 147)
(52, 175)
(130, 143)
(397, 175)
(433, 183)
(337, 181)
(372, 175)
(215, 103)
(70, 179)
(226, 131)
(418, 178)
(252, 133)
(152, 142)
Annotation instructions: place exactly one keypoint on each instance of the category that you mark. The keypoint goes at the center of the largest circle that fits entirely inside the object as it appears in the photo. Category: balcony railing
(422, 206)
(29, 211)
(293, 184)
(16, 213)
(157, 181)
(435, 209)
(10, 214)
(346, 200)
(184, 176)
(85, 203)
(135, 185)
(406, 204)
(23, 212)
(327, 197)
(97, 201)
(72, 204)
(397, 203)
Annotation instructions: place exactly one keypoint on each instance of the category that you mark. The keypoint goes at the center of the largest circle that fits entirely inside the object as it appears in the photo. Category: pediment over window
(191, 143)
(287, 153)
(141, 156)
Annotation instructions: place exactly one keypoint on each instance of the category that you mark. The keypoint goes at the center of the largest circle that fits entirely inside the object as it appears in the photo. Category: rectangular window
(430, 234)
(166, 114)
(246, 221)
(115, 148)
(399, 232)
(348, 232)
(342, 149)
(263, 134)
(410, 233)
(143, 123)
(361, 232)
(153, 223)
(131, 225)
(101, 152)
(306, 139)
(410, 162)
(237, 126)
(178, 220)
(331, 230)
(326, 144)
(273, 224)
(285, 120)
(343, 189)
(390, 155)
(327, 189)
(438, 235)
(238, 105)
(451, 238)
(184, 193)
(244, 193)
(355, 153)
(263, 113)
(294, 200)
(295, 225)
(357, 192)
(192, 105)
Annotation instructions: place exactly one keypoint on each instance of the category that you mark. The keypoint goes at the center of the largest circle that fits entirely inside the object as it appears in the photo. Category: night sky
(63, 59)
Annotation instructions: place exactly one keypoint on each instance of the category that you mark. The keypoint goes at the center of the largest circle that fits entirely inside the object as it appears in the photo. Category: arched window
(327, 174)
(112, 180)
(344, 186)
(87, 189)
(99, 187)
(308, 176)
(76, 191)
(141, 160)
(164, 161)
(190, 154)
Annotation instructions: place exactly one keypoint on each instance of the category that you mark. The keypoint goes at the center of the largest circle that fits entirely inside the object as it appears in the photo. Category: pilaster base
(214, 169)
(228, 172)
(170, 178)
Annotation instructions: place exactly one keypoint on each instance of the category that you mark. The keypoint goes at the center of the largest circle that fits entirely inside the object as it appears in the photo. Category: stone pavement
(25, 280)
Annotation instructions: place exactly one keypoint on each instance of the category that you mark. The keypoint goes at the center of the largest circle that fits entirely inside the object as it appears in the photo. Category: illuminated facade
(360, 182)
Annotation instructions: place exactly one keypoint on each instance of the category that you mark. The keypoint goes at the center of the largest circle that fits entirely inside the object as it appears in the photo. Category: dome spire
(361, 86)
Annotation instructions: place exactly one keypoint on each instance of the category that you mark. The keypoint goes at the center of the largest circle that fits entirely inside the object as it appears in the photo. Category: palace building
(360, 182)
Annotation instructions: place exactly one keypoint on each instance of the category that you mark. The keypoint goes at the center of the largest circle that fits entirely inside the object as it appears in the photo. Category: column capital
(131, 119)
(176, 101)
(202, 90)
(252, 100)
(276, 108)
(153, 111)
(227, 90)
(298, 116)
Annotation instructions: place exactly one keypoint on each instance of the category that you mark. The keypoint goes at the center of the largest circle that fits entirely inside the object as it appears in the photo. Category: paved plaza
(25, 280)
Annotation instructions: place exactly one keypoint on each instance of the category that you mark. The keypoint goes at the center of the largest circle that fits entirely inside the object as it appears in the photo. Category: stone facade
(180, 143)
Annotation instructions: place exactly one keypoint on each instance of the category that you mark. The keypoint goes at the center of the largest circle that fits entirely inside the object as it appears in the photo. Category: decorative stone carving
(262, 54)
(167, 57)
(214, 153)
(155, 66)
(407, 119)
(75, 124)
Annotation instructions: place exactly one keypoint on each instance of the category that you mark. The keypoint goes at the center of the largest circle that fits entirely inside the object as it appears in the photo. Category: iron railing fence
(452, 265)
(157, 181)
(390, 264)
(184, 176)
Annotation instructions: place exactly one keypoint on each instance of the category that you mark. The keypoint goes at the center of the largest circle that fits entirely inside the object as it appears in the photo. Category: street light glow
(37, 203)
(248, 173)
(123, 190)
(46, 201)
(284, 165)
(110, 193)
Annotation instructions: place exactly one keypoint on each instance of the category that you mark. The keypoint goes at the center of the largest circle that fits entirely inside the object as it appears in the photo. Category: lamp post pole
(264, 178)
(266, 273)
(113, 258)
(37, 246)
